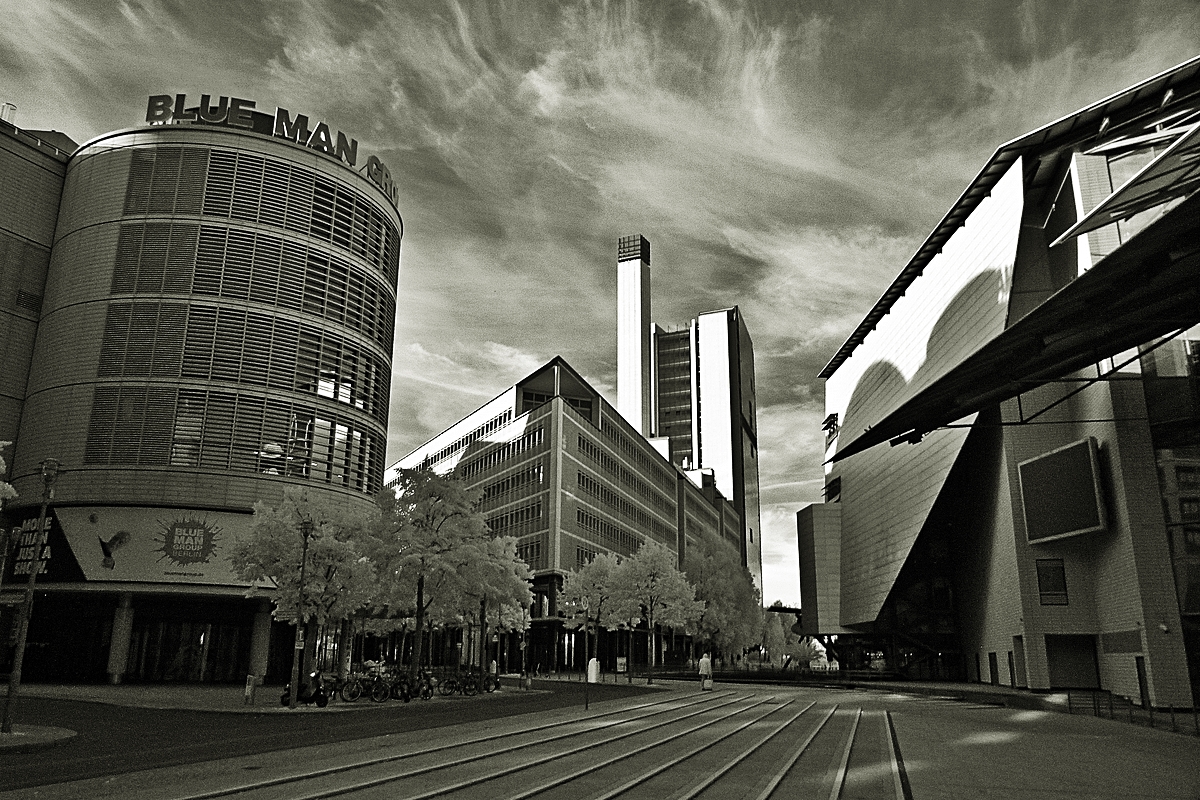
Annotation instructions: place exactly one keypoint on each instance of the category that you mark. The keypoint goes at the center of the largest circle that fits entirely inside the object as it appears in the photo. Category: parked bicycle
(349, 688)
(426, 685)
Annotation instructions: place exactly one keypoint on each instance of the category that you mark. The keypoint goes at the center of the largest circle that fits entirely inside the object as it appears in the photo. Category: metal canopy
(1173, 174)
(1125, 109)
(1147, 288)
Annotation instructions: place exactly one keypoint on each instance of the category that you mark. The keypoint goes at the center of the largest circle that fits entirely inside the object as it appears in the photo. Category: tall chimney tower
(633, 332)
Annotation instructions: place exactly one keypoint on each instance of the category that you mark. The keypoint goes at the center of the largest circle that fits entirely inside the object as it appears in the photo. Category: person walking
(705, 673)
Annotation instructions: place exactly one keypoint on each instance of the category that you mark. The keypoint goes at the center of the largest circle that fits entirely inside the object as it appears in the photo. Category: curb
(32, 738)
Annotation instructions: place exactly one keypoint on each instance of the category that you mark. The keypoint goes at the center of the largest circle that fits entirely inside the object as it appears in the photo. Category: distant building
(694, 387)
(570, 478)
(1036, 521)
(195, 316)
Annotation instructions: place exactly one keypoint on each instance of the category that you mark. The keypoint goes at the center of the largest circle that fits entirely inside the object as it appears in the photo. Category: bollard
(1173, 728)
(251, 685)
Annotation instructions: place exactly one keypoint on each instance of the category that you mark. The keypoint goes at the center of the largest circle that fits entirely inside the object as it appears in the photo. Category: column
(122, 631)
(260, 639)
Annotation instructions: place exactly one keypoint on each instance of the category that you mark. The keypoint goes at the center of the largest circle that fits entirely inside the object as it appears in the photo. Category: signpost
(49, 474)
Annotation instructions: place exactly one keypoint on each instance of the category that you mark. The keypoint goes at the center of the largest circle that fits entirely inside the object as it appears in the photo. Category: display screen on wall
(1060, 492)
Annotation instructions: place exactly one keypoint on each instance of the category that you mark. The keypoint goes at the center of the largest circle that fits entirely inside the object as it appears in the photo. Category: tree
(494, 576)
(732, 617)
(339, 577)
(313, 551)
(774, 636)
(7, 492)
(587, 595)
(649, 585)
(429, 531)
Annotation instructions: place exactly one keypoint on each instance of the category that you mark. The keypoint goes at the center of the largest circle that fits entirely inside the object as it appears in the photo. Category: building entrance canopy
(1147, 288)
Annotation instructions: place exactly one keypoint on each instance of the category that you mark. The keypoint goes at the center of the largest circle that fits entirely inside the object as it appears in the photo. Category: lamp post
(306, 529)
(49, 474)
(587, 653)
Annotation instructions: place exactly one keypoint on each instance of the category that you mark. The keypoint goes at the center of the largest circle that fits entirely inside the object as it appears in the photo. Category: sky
(784, 157)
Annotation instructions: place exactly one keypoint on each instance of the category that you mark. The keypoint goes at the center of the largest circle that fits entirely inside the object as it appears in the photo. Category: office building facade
(213, 325)
(564, 472)
(692, 387)
(1033, 522)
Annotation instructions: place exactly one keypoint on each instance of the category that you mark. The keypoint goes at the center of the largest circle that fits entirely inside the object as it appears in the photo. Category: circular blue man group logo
(188, 540)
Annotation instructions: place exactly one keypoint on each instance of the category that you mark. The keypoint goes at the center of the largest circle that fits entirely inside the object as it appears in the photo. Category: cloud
(787, 158)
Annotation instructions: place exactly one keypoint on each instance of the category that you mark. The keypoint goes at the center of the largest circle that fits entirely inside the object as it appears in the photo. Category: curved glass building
(216, 326)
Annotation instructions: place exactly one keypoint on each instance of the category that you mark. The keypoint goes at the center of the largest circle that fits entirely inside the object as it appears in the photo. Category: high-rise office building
(197, 314)
(569, 477)
(693, 387)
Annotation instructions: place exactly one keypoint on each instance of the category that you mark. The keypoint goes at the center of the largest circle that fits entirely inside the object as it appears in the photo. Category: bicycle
(400, 688)
(426, 685)
(349, 688)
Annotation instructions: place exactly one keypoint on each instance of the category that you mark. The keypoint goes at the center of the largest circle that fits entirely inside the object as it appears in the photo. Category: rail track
(744, 744)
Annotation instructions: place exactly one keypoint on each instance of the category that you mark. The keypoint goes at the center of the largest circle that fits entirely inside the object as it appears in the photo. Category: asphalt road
(117, 739)
(944, 749)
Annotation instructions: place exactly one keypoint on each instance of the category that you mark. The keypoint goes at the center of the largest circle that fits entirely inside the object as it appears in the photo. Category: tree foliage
(784, 646)
(429, 532)
(587, 597)
(648, 585)
(7, 492)
(493, 578)
(732, 617)
(339, 578)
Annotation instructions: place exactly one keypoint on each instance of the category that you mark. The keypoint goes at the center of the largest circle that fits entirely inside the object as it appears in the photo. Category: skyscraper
(694, 387)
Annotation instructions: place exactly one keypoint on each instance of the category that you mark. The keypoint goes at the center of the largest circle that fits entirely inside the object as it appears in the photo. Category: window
(1191, 540)
(1052, 581)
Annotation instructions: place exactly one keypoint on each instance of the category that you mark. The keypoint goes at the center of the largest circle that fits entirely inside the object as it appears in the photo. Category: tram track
(735, 744)
(573, 727)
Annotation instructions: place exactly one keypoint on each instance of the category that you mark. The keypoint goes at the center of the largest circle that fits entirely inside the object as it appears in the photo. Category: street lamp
(49, 474)
(306, 529)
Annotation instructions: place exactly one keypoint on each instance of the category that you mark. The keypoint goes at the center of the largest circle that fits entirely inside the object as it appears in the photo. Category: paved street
(840, 743)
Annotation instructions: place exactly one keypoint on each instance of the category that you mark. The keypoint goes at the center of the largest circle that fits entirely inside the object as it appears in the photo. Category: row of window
(623, 507)
(176, 340)
(583, 557)
(517, 482)
(253, 188)
(495, 423)
(640, 457)
(626, 476)
(528, 517)
(530, 552)
(185, 258)
(606, 534)
(165, 426)
(493, 458)
(531, 400)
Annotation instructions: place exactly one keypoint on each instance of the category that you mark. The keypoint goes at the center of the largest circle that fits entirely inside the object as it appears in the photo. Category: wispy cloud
(787, 158)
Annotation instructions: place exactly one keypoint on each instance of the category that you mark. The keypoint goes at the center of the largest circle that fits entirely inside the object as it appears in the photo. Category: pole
(49, 474)
(306, 527)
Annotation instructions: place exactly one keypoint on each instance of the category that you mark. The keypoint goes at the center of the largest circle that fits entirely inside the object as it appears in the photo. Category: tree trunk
(418, 639)
(650, 649)
(483, 649)
(629, 657)
(345, 643)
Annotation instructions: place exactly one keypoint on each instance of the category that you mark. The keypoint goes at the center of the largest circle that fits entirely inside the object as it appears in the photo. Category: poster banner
(156, 545)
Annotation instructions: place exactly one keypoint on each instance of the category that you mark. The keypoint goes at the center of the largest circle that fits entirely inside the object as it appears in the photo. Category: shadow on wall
(961, 329)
